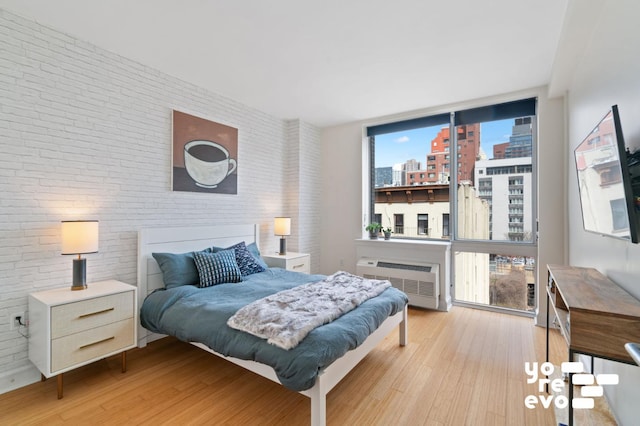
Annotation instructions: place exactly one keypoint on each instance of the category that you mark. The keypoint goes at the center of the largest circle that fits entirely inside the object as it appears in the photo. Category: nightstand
(298, 262)
(68, 329)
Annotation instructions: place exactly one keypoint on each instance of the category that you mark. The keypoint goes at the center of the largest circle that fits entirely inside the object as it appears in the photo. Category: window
(398, 223)
(495, 146)
(496, 212)
(423, 224)
(610, 176)
(445, 224)
(618, 214)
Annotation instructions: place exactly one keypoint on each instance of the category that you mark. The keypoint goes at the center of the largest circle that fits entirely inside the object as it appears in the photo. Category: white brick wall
(85, 133)
(302, 193)
(309, 198)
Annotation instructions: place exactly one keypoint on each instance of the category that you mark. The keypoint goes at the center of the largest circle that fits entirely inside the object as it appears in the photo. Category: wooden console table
(596, 316)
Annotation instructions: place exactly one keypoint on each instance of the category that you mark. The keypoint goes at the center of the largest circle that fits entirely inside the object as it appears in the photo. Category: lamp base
(283, 246)
(79, 274)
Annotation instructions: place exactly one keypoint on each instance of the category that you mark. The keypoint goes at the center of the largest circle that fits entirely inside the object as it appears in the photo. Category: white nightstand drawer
(299, 264)
(73, 317)
(77, 348)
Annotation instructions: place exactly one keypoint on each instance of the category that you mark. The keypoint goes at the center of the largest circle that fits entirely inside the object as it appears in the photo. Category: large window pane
(411, 181)
(495, 192)
(501, 280)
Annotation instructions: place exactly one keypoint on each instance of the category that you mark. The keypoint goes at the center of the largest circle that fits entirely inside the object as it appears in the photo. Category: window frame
(522, 107)
(426, 224)
(525, 249)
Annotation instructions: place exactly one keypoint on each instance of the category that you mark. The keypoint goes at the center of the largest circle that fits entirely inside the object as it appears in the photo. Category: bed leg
(404, 336)
(318, 405)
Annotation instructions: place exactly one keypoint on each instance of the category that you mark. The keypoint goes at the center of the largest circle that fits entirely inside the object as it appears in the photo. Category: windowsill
(405, 241)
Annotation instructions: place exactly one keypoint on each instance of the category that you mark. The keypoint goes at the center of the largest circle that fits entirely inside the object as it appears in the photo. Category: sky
(393, 148)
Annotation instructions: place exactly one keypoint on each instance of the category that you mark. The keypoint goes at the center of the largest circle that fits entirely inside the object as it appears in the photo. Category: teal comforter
(200, 315)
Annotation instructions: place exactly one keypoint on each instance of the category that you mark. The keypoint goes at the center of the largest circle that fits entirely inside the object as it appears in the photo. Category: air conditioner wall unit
(420, 281)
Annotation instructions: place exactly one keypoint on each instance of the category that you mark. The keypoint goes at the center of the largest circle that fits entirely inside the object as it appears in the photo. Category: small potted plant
(387, 233)
(374, 230)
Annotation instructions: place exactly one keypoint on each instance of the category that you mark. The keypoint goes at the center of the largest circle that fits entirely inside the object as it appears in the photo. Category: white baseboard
(17, 378)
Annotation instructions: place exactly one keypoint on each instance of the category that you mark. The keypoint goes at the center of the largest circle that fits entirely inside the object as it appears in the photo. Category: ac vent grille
(426, 289)
(392, 265)
(411, 286)
(396, 282)
(419, 281)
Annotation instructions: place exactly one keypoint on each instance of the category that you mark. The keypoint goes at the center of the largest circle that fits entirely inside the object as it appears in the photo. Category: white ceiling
(326, 62)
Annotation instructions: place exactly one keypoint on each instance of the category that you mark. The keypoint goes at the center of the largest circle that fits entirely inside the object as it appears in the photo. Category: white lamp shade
(282, 226)
(79, 237)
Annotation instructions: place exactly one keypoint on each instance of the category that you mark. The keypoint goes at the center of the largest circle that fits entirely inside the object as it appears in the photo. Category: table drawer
(299, 264)
(69, 351)
(86, 314)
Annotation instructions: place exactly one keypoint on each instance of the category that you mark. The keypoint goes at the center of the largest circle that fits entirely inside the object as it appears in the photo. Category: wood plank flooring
(464, 367)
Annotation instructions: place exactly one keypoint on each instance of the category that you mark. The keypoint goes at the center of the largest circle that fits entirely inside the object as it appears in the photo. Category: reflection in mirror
(603, 181)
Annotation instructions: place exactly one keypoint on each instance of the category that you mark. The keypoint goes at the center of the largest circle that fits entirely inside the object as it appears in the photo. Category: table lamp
(79, 237)
(282, 227)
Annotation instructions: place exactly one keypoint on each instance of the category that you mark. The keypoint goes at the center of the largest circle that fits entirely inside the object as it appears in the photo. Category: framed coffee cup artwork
(205, 155)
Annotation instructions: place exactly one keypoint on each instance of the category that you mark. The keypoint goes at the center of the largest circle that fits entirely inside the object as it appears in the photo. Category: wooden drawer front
(69, 351)
(604, 335)
(86, 314)
(300, 264)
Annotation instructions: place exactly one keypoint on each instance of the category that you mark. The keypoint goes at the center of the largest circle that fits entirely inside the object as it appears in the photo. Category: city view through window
(493, 166)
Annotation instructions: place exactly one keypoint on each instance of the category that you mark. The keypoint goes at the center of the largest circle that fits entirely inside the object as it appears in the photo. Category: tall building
(417, 177)
(412, 165)
(505, 182)
(413, 173)
(399, 175)
(396, 175)
(383, 176)
(499, 150)
(439, 159)
(506, 185)
(521, 139)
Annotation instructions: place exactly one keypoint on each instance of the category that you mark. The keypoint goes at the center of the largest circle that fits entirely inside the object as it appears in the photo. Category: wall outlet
(13, 321)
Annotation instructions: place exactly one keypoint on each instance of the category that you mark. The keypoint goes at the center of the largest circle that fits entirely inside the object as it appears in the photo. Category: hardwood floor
(461, 367)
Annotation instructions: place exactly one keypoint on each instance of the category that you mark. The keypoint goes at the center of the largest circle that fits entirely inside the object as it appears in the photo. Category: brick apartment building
(439, 159)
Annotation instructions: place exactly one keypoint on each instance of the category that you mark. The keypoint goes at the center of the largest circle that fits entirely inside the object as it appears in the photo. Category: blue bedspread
(200, 315)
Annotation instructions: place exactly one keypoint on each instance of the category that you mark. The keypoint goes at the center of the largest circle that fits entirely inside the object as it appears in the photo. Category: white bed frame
(184, 239)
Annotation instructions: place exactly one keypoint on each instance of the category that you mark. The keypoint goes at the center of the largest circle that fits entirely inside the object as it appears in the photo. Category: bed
(185, 239)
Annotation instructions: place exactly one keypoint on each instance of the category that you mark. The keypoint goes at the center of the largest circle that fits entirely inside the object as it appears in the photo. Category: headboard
(179, 240)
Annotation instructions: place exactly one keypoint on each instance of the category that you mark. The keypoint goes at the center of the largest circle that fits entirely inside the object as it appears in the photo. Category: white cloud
(402, 139)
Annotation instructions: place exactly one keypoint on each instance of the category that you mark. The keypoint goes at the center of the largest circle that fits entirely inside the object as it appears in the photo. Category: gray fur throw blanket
(286, 317)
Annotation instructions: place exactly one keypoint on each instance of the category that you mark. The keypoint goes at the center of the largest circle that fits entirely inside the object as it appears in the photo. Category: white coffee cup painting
(207, 163)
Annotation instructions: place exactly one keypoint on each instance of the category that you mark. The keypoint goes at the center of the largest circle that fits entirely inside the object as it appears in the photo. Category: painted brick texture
(86, 134)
